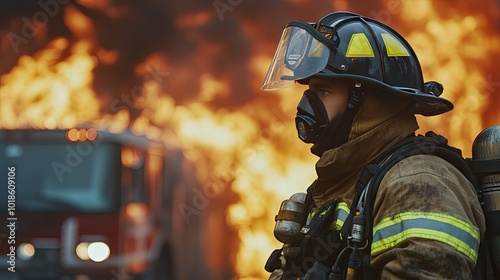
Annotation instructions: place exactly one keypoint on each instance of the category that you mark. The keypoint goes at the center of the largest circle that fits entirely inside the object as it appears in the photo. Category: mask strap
(355, 97)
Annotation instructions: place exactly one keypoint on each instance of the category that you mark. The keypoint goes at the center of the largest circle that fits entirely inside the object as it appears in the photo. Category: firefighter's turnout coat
(427, 221)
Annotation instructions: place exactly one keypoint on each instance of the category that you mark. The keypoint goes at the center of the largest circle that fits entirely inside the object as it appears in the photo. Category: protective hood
(382, 121)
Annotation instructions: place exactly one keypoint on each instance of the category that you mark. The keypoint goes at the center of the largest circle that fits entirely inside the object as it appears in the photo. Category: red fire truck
(88, 204)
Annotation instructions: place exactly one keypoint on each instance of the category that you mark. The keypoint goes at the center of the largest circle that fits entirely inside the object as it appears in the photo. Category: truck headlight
(82, 250)
(26, 251)
(96, 251)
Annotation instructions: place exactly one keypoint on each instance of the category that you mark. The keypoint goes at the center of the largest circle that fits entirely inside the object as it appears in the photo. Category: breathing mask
(312, 118)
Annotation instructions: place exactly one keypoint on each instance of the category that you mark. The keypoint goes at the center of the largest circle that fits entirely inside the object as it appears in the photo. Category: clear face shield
(301, 53)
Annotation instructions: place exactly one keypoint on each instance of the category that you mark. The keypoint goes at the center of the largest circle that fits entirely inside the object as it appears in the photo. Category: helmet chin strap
(338, 129)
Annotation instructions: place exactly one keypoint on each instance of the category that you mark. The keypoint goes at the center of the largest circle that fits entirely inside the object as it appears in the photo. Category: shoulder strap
(372, 175)
(309, 199)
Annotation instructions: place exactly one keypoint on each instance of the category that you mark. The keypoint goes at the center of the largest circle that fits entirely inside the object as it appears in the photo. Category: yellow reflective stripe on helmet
(435, 226)
(393, 46)
(359, 46)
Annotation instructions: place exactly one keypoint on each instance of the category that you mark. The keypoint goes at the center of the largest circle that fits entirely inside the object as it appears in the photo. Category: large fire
(246, 146)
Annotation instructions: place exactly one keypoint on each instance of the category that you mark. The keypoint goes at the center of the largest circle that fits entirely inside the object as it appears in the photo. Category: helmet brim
(426, 104)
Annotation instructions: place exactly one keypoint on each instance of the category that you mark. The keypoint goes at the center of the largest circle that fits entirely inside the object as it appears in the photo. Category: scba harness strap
(367, 186)
(355, 236)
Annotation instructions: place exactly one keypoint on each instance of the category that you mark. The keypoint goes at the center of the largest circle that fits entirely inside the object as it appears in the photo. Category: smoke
(191, 45)
(191, 42)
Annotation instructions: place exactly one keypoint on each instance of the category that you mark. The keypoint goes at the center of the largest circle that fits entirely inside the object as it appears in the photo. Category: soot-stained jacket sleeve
(427, 222)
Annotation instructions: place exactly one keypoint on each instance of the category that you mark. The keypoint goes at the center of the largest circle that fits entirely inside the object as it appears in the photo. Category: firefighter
(364, 87)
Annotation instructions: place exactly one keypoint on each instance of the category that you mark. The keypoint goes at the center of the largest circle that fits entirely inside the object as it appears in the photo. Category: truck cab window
(64, 177)
(133, 176)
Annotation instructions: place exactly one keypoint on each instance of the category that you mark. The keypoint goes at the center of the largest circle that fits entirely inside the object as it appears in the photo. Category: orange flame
(451, 52)
(42, 92)
(254, 150)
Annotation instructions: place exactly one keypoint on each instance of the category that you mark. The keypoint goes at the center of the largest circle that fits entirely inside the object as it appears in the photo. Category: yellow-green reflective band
(312, 213)
(339, 217)
(435, 226)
